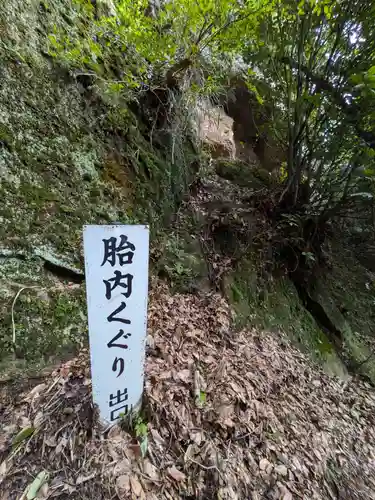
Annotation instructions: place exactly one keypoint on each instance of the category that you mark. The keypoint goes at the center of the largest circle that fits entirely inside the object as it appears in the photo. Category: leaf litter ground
(230, 415)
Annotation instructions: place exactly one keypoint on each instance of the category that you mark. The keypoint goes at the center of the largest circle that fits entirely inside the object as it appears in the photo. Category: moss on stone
(275, 305)
(69, 156)
(350, 286)
(49, 317)
(242, 173)
(182, 262)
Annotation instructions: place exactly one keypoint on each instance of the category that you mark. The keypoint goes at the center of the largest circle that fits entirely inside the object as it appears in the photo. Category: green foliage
(137, 425)
(315, 64)
(312, 62)
(132, 47)
(180, 260)
(33, 489)
(141, 431)
(22, 436)
(200, 399)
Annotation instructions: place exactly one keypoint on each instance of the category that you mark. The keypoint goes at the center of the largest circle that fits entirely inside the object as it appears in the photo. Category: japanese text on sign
(116, 261)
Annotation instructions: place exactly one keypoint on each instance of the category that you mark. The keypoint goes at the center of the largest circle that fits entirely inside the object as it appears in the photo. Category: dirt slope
(230, 415)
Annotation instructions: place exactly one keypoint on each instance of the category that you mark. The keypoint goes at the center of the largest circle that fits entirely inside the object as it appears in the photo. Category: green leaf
(202, 397)
(144, 446)
(327, 11)
(34, 487)
(356, 78)
(22, 435)
(367, 196)
(141, 430)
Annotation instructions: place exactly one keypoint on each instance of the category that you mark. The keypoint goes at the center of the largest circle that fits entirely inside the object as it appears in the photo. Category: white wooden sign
(116, 263)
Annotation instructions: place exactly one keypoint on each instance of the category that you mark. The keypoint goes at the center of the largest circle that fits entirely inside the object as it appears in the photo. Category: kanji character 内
(122, 280)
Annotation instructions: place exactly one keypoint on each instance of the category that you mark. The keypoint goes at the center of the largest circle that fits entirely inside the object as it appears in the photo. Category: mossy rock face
(49, 323)
(70, 155)
(46, 316)
(351, 289)
(182, 262)
(341, 342)
(51, 167)
(275, 305)
(242, 174)
(351, 346)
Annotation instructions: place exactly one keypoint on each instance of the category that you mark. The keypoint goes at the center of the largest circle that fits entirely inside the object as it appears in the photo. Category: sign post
(116, 264)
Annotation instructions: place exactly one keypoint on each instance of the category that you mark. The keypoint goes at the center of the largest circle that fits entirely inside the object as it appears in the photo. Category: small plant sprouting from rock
(137, 426)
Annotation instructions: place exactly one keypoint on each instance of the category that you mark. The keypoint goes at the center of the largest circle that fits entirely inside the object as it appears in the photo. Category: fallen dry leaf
(123, 467)
(136, 449)
(38, 419)
(261, 402)
(84, 479)
(159, 441)
(43, 492)
(38, 389)
(123, 484)
(3, 469)
(61, 445)
(281, 470)
(150, 470)
(264, 464)
(136, 486)
(184, 375)
(114, 432)
(50, 441)
(285, 494)
(197, 437)
(176, 474)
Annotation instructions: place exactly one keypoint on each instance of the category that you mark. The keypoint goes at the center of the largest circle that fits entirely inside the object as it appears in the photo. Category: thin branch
(226, 25)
